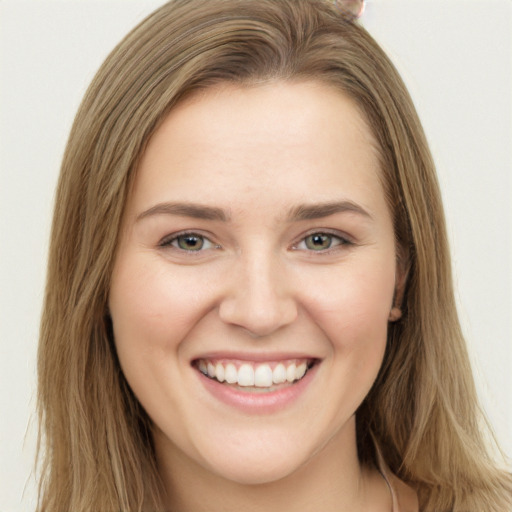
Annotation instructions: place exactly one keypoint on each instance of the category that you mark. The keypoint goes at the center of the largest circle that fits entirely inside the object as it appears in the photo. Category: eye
(190, 242)
(319, 242)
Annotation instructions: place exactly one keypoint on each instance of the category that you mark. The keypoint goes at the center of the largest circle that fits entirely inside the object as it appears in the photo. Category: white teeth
(219, 372)
(263, 376)
(251, 375)
(300, 371)
(279, 374)
(246, 375)
(290, 373)
(231, 375)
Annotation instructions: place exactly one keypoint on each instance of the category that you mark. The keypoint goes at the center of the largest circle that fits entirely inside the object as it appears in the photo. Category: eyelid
(344, 239)
(166, 241)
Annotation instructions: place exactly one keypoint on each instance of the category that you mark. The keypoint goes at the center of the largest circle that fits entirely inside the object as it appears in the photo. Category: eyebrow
(196, 211)
(320, 210)
(301, 212)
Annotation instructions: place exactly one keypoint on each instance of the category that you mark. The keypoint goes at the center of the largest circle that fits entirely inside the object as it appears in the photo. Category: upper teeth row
(262, 376)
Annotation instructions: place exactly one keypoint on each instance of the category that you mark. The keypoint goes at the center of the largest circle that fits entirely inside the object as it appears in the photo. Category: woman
(240, 310)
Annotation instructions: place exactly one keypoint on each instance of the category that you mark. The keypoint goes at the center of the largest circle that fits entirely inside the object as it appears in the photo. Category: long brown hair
(422, 411)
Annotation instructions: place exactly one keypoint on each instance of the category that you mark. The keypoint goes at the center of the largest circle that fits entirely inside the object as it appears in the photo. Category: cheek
(151, 305)
(353, 313)
(353, 304)
(153, 311)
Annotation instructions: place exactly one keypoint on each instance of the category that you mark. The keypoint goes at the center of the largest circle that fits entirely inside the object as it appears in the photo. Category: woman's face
(255, 277)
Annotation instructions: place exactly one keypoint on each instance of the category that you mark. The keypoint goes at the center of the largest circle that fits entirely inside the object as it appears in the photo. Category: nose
(259, 297)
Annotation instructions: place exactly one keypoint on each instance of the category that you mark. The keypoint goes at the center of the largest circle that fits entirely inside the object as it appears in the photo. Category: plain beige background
(456, 57)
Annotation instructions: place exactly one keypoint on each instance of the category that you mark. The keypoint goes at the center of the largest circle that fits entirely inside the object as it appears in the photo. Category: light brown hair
(422, 411)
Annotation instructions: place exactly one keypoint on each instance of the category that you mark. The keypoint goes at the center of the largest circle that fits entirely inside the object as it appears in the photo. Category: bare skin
(258, 234)
(313, 487)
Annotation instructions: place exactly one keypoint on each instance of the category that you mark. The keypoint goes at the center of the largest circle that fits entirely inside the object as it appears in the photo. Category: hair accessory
(353, 8)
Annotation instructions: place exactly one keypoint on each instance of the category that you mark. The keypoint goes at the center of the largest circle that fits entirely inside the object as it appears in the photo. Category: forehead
(273, 108)
(303, 139)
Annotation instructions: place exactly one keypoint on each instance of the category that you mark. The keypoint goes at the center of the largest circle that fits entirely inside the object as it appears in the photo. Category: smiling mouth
(249, 376)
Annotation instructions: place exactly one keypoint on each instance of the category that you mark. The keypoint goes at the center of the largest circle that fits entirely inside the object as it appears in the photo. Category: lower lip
(258, 402)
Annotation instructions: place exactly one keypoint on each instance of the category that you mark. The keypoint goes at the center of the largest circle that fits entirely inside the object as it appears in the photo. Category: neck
(332, 480)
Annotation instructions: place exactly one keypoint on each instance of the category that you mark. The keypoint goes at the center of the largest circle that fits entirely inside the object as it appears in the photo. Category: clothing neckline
(403, 497)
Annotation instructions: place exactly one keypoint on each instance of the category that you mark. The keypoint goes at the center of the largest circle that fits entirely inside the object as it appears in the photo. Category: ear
(402, 272)
(395, 314)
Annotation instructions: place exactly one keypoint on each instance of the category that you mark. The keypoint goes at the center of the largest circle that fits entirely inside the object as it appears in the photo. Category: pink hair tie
(353, 8)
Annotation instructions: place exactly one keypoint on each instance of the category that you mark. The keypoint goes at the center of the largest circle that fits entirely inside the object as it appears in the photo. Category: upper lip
(255, 357)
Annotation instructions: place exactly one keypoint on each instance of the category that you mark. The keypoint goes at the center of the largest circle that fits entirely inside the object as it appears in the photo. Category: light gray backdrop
(455, 56)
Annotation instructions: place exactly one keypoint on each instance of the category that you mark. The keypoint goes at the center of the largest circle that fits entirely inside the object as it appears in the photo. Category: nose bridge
(260, 298)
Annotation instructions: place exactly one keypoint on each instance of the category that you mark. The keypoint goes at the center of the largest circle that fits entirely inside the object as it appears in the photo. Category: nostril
(259, 316)
(258, 321)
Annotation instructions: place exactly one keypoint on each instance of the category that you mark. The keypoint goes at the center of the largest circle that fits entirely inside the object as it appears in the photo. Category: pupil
(319, 241)
(190, 242)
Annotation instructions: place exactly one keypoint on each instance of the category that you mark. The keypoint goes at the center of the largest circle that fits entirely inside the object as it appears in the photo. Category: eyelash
(337, 239)
(170, 241)
(341, 241)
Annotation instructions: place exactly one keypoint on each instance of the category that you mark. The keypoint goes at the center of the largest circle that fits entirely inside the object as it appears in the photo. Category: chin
(263, 457)
(257, 470)
(255, 456)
